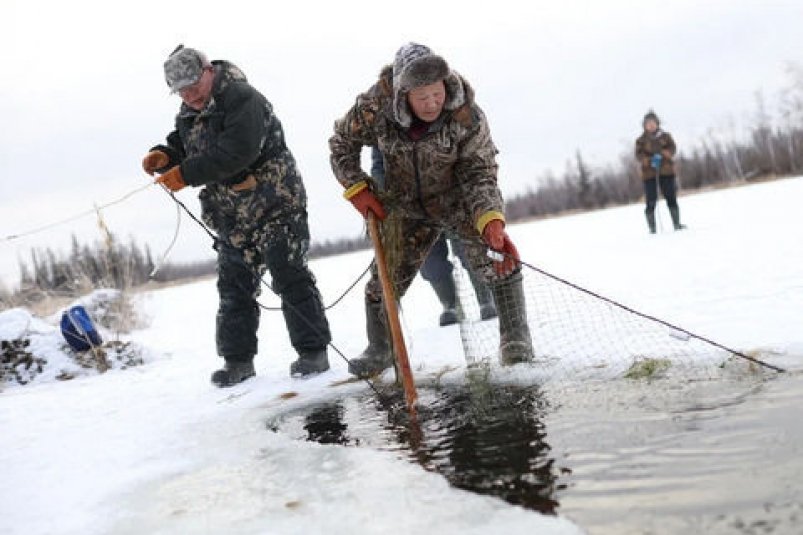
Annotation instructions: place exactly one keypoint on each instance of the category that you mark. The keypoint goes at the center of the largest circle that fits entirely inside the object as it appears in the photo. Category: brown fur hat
(415, 66)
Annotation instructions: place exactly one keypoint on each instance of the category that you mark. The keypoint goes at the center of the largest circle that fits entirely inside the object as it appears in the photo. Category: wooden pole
(399, 348)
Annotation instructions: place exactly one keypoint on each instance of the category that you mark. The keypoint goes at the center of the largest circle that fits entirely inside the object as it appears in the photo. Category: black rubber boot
(378, 356)
(235, 370)
(651, 222)
(447, 294)
(675, 213)
(310, 363)
(515, 343)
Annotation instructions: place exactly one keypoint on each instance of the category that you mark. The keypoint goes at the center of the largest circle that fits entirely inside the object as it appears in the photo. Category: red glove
(154, 160)
(497, 239)
(363, 200)
(172, 179)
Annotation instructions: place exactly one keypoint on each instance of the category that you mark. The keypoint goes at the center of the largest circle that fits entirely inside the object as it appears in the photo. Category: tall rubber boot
(674, 211)
(651, 221)
(484, 297)
(447, 294)
(515, 343)
(378, 356)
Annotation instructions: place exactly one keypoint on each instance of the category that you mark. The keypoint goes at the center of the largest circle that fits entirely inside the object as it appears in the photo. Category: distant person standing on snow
(440, 175)
(437, 268)
(655, 150)
(228, 140)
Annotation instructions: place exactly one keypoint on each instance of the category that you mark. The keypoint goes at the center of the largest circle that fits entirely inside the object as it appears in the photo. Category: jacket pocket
(247, 185)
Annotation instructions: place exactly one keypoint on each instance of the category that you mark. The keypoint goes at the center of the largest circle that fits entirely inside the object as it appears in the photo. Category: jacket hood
(226, 73)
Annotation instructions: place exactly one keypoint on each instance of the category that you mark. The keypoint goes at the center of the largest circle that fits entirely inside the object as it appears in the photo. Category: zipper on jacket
(417, 173)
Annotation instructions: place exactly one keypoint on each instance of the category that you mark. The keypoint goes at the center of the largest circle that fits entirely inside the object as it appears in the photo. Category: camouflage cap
(184, 67)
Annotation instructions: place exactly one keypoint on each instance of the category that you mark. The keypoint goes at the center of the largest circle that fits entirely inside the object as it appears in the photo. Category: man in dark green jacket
(228, 141)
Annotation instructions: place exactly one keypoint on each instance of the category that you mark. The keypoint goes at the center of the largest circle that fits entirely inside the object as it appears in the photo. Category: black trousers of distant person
(668, 186)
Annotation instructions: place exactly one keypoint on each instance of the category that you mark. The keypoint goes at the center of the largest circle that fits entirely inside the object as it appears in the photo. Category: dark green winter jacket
(235, 137)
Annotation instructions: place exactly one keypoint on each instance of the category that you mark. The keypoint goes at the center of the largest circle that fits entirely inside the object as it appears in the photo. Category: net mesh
(578, 335)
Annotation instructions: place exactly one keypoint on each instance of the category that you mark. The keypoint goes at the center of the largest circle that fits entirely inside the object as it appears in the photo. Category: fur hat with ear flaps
(415, 66)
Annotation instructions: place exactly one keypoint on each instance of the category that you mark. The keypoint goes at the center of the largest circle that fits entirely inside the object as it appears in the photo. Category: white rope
(161, 261)
(85, 213)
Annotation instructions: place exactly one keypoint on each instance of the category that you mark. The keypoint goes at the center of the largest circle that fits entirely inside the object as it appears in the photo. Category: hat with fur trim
(415, 65)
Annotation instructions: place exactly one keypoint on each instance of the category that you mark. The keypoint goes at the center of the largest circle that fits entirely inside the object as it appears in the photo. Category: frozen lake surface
(156, 449)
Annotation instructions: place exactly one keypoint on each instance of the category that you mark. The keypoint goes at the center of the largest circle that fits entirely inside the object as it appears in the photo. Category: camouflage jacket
(451, 168)
(659, 143)
(236, 140)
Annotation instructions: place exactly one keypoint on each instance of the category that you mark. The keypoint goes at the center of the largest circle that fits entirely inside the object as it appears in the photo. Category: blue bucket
(78, 329)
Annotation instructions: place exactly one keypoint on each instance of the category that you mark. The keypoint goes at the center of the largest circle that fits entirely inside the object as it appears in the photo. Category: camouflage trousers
(407, 242)
(280, 247)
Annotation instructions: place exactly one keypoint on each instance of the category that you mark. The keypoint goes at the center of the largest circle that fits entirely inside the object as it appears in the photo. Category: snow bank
(34, 350)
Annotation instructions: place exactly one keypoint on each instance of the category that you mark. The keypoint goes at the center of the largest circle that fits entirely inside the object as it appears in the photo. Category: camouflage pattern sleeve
(476, 169)
(174, 150)
(352, 133)
(239, 143)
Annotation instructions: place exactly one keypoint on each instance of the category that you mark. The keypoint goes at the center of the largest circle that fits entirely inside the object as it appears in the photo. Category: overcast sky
(83, 94)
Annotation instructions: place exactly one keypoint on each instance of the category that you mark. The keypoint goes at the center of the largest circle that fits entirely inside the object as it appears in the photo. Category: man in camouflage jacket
(437, 268)
(655, 152)
(228, 141)
(440, 175)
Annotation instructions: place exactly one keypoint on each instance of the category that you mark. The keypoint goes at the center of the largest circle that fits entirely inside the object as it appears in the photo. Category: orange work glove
(154, 160)
(497, 239)
(363, 200)
(172, 179)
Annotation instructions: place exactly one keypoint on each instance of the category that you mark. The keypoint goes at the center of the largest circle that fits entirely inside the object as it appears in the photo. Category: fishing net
(577, 334)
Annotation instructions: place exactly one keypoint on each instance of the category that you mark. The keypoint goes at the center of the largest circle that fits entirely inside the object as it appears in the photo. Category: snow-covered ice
(157, 449)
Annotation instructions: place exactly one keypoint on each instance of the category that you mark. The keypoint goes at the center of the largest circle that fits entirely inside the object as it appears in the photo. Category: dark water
(720, 456)
(490, 440)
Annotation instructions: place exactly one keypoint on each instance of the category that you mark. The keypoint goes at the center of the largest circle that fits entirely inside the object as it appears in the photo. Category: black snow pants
(284, 254)
(668, 190)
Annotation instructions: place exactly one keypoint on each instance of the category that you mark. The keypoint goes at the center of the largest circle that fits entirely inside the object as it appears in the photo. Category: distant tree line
(177, 271)
(339, 246)
(769, 152)
(771, 147)
(112, 264)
